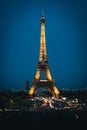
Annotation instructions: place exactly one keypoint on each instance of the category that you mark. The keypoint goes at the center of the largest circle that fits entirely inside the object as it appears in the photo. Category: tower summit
(43, 65)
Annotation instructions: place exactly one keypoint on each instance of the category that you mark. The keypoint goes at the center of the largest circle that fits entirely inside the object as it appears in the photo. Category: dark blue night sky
(66, 38)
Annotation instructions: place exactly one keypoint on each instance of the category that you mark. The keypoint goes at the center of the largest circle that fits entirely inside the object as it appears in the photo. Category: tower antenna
(42, 13)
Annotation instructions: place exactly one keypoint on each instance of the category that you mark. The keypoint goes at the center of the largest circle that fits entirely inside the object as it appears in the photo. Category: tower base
(44, 84)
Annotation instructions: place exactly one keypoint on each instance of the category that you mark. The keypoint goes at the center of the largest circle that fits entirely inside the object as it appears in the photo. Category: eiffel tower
(43, 65)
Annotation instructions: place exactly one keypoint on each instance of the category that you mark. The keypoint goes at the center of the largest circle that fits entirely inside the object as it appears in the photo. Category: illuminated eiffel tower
(43, 65)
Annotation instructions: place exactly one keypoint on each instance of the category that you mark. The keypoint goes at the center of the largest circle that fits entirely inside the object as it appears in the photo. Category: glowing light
(50, 105)
(43, 54)
(37, 76)
(43, 65)
(64, 98)
(32, 90)
(43, 80)
(56, 90)
(48, 74)
(76, 116)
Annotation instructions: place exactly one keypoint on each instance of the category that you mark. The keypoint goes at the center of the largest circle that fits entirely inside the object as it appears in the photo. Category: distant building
(27, 84)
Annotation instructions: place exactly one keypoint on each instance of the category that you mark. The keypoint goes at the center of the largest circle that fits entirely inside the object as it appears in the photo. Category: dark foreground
(40, 120)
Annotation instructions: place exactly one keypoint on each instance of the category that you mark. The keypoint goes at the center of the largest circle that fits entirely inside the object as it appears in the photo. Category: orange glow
(37, 76)
(31, 92)
(43, 54)
(48, 74)
(43, 66)
(56, 91)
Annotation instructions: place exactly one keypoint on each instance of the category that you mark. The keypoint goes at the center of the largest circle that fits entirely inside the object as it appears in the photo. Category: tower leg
(48, 74)
(55, 91)
(32, 90)
(37, 76)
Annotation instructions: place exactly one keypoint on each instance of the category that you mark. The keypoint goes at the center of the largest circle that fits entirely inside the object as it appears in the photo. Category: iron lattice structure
(43, 66)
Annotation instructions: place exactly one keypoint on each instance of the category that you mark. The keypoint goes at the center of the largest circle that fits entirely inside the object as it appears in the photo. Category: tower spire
(43, 54)
(42, 13)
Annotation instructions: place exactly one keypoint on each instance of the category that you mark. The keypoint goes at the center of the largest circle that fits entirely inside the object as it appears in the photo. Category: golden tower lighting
(43, 65)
